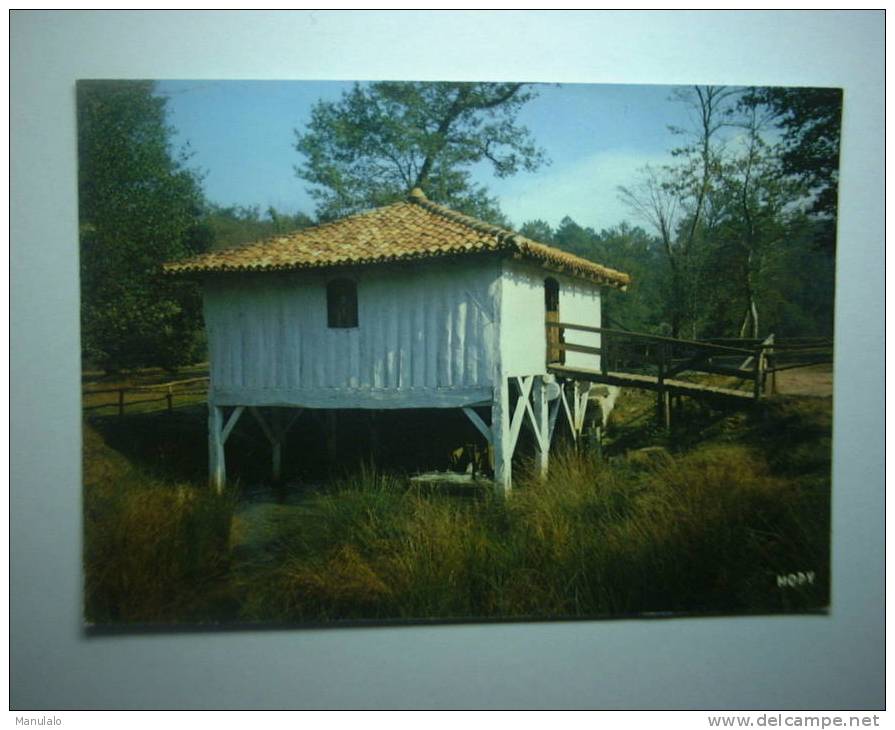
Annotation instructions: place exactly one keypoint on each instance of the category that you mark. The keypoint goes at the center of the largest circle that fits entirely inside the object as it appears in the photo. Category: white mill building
(411, 305)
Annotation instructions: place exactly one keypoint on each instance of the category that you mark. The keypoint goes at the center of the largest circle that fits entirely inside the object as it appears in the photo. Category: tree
(678, 202)
(754, 201)
(537, 230)
(811, 120)
(236, 225)
(636, 253)
(383, 139)
(139, 206)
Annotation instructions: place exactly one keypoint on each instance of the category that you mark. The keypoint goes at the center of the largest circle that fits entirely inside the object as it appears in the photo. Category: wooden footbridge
(732, 370)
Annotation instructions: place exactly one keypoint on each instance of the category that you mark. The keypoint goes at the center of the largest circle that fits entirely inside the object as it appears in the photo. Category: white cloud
(586, 190)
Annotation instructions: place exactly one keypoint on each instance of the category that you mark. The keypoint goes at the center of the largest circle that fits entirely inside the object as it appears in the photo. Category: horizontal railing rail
(623, 351)
(171, 390)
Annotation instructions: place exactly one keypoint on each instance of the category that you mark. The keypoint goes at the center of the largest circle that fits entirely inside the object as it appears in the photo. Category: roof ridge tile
(389, 233)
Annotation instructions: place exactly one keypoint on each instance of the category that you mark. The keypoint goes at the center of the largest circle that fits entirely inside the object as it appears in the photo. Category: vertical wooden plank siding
(423, 329)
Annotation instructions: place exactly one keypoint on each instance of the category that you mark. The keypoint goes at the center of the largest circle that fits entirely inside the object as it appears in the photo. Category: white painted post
(501, 439)
(217, 470)
(542, 426)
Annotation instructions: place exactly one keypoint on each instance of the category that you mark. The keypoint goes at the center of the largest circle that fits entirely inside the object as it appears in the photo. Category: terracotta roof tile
(411, 229)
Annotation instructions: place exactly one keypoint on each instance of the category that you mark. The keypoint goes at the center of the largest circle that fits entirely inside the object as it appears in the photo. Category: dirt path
(816, 380)
(258, 519)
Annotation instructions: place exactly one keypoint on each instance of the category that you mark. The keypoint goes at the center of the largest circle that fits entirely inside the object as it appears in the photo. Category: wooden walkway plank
(649, 382)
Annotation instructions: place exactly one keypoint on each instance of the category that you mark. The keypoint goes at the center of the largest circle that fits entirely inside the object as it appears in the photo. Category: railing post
(759, 370)
(663, 412)
(121, 401)
(772, 363)
(604, 353)
(169, 396)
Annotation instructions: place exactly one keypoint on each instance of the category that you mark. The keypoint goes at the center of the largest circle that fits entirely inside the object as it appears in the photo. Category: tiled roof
(412, 229)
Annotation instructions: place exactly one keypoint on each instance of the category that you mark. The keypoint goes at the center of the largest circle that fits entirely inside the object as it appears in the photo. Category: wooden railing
(666, 357)
(750, 360)
(169, 391)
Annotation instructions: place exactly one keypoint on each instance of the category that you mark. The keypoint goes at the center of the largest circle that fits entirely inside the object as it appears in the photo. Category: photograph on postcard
(454, 351)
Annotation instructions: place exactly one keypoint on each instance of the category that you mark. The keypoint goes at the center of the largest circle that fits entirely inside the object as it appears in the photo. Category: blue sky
(241, 134)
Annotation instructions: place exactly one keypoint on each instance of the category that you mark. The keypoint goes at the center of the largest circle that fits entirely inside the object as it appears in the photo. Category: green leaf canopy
(138, 206)
(383, 139)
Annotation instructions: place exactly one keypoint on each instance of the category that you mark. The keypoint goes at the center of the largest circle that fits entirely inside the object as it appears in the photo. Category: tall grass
(706, 525)
(707, 532)
(153, 551)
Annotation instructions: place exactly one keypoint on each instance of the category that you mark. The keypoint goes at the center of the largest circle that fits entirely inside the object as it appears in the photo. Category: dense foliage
(382, 139)
(139, 206)
(811, 121)
(237, 225)
(736, 223)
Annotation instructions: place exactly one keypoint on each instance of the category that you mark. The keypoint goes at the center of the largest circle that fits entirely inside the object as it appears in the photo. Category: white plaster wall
(426, 336)
(523, 340)
(523, 343)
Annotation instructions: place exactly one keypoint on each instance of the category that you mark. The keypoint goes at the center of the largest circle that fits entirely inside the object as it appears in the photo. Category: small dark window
(551, 294)
(555, 353)
(341, 303)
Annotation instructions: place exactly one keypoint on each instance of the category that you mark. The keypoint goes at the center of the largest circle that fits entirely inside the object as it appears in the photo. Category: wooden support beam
(540, 418)
(291, 422)
(275, 431)
(534, 422)
(479, 423)
(500, 437)
(582, 393)
(231, 422)
(217, 469)
(569, 417)
(525, 385)
(265, 427)
(555, 406)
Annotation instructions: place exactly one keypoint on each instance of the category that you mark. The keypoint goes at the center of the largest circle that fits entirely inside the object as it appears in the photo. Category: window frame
(342, 315)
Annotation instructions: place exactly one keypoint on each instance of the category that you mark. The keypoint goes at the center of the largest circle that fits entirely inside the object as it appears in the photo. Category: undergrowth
(702, 524)
(154, 551)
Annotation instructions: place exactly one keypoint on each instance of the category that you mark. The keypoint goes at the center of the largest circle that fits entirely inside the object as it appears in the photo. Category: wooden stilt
(275, 431)
(597, 441)
(663, 403)
(501, 438)
(582, 395)
(554, 408)
(477, 421)
(541, 425)
(217, 470)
